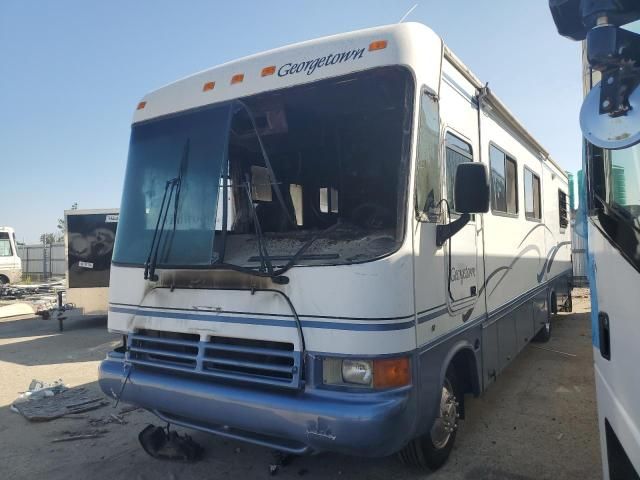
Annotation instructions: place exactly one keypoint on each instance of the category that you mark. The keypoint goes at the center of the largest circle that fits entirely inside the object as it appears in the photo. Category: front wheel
(432, 450)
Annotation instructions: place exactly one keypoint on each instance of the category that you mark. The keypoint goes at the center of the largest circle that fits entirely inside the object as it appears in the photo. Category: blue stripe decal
(429, 316)
(266, 321)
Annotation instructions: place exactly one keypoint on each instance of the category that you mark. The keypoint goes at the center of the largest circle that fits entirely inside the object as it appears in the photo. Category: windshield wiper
(265, 262)
(176, 186)
(150, 266)
(276, 275)
(176, 202)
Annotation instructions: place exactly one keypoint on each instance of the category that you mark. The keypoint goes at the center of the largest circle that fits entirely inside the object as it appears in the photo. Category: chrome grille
(236, 359)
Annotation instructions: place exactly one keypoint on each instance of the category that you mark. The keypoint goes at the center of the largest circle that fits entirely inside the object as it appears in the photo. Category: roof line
(500, 108)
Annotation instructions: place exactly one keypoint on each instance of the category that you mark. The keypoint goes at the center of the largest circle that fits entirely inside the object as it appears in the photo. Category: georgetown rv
(326, 246)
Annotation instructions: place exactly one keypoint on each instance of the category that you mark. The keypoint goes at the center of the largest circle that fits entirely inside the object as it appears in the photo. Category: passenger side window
(428, 162)
(563, 211)
(457, 151)
(5, 248)
(504, 181)
(532, 205)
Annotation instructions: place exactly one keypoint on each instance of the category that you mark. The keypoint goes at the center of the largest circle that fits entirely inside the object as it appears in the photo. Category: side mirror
(471, 189)
(471, 193)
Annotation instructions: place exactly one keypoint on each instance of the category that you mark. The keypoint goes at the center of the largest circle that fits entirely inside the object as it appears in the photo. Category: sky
(72, 72)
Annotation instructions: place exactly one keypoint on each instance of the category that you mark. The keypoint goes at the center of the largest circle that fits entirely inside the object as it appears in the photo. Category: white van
(10, 264)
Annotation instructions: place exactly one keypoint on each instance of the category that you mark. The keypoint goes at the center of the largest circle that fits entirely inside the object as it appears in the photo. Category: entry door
(461, 251)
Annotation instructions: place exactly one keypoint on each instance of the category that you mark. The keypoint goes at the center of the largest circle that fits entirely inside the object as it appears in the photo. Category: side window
(532, 206)
(504, 181)
(427, 161)
(5, 245)
(563, 211)
(457, 151)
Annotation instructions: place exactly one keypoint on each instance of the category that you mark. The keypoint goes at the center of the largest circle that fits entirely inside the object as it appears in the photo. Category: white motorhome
(10, 263)
(341, 296)
(612, 215)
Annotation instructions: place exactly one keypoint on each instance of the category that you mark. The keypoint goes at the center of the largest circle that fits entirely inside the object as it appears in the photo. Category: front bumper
(312, 420)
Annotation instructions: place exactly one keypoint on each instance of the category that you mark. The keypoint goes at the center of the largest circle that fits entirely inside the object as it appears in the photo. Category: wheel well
(4, 278)
(464, 363)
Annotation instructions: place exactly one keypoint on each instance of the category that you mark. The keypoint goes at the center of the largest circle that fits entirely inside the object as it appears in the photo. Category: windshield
(192, 146)
(325, 162)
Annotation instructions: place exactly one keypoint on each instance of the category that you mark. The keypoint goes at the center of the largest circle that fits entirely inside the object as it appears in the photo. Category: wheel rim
(447, 421)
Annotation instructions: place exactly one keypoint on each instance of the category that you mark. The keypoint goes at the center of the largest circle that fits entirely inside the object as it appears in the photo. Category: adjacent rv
(328, 246)
(10, 263)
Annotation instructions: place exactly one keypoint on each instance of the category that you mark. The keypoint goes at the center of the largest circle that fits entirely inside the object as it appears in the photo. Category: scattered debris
(73, 436)
(128, 409)
(166, 444)
(112, 418)
(76, 416)
(40, 298)
(70, 401)
(40, 389)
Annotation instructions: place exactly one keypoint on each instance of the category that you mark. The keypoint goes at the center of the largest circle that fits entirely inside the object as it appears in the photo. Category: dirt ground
(538, 421)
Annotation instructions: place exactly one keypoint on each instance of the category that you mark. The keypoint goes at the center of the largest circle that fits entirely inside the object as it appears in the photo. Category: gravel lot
(537, 422)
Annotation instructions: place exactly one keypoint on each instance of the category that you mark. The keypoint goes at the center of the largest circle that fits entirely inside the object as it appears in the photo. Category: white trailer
(89, 240)
(10, 263)
(340, 296)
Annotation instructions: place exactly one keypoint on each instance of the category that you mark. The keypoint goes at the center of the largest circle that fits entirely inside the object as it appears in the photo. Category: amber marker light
(141, 105)
(208, 86)
(237, 78)
(377, 45)
(391, 372)
(266, 71)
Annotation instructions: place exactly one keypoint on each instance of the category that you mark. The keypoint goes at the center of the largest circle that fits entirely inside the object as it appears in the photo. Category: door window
(457, 151)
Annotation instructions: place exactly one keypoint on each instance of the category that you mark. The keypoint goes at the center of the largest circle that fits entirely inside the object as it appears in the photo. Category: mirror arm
(445, 232)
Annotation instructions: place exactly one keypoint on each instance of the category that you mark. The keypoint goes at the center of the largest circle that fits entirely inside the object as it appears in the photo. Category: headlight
(373, 373)
(357, 371)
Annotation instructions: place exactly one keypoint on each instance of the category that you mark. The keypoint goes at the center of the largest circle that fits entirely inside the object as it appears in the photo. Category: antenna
(404, 17)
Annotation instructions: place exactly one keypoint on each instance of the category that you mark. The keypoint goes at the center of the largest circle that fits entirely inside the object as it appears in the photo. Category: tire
(4, 280)
(431, 450)
(544, 335)
(568, 304)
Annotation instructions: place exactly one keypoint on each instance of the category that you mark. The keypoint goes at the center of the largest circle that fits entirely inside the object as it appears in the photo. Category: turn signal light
(391, 372)
(237, 78)
(208, 86)
(266, 71)
(377, 45)
(141, 105)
